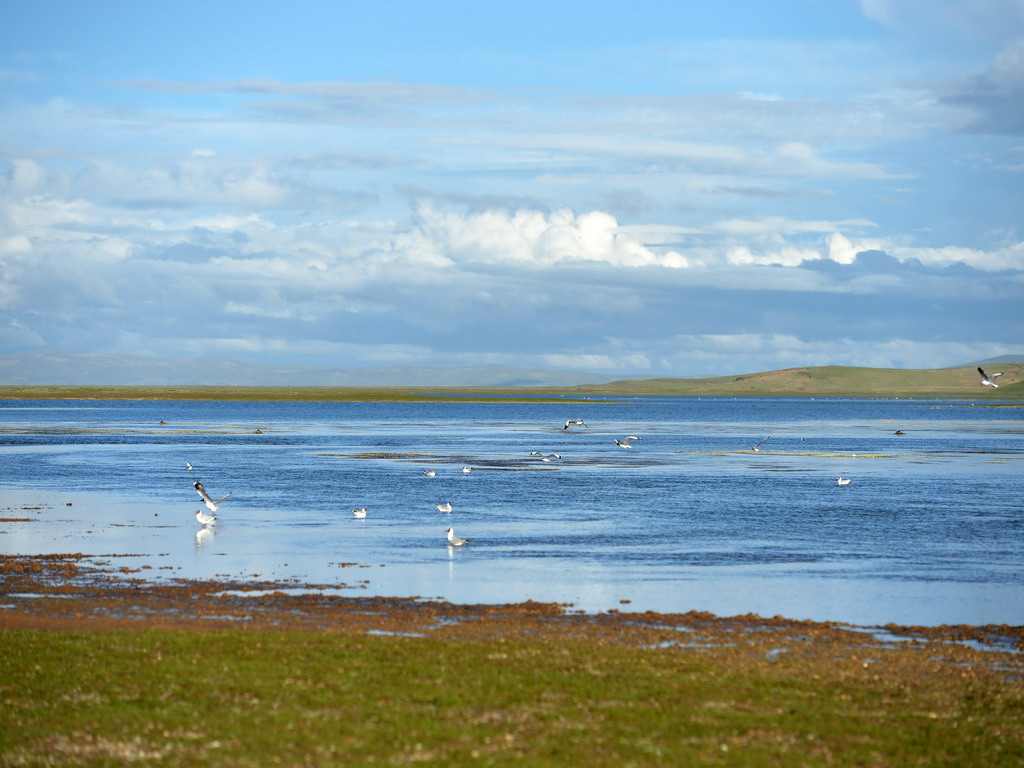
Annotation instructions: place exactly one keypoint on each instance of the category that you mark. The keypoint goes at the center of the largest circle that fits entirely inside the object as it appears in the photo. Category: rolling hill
(833, 381)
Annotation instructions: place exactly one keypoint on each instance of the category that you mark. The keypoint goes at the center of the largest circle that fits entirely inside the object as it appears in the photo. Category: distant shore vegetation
(823, 381)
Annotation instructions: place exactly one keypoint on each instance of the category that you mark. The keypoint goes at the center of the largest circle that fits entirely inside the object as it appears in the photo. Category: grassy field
(100, 666)
(256, 698)
(821, 381)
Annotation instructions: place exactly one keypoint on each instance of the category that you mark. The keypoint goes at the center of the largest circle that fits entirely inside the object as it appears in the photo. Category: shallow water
(928, 532)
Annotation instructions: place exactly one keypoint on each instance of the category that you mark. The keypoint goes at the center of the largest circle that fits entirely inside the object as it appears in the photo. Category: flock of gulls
(206, 520)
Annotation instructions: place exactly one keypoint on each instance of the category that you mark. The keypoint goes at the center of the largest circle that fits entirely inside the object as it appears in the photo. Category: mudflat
(102, 665)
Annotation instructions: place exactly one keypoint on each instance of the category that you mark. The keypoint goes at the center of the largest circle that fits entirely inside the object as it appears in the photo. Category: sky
(644, 188)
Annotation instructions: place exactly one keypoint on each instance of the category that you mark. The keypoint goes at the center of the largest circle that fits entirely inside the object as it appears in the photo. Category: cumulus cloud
(529, 238)
(445, 284)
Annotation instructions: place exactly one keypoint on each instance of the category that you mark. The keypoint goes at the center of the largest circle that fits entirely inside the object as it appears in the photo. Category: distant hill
(833, 381)
(1001, 360)
(105, 369)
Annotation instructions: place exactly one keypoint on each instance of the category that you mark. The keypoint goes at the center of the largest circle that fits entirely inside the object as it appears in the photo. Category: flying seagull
(625, 442)
(446, 507)
(548, 457)
(205, 519)
(359, 512)
(757, 446)
(843, 481)
(188, 465)
(989, 381)
(210, 503)
(455, 541)
(577, 422)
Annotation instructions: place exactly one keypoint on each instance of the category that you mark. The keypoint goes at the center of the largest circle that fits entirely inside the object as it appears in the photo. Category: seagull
(359, 512)
(577, 422)
(466, 470)
(989, 381)
(843, 481)
(455, 541)
(757, 446)
(210, 503)
(187, 465)
(430, 472)
(899, 432)
(625, 443)
(548, 457)
(205, 519)
(446, 507)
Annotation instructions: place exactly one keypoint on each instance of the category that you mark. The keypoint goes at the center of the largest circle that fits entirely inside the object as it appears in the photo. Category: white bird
(455, 541)
(210, 503)
(430, 472)
(187, 465)
(989, 381)
(577, 422)
(625, 443)
(843, 481)
(359, 512)
(547, 457)
(466, 470)
(757, 446)
(446, 507)
(205, 519)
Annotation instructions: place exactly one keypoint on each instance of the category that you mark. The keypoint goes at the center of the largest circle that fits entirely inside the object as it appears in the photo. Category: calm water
(929, 531)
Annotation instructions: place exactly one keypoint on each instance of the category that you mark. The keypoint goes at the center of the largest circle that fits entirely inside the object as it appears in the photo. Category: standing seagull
(989, 381)
(455, 541)
(757, 446)
(360, 513)
(430, 472)
(446, 507)
(205, 519)
(843, 481)
(466, 470)
(625, 443)
(577, 422)
(210, 503)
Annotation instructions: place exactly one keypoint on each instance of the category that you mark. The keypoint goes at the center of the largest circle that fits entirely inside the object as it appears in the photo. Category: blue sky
(652, 188)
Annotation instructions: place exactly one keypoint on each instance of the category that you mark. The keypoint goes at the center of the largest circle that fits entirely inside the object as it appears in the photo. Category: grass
(826, 381)
(101, 669)
(238, 697)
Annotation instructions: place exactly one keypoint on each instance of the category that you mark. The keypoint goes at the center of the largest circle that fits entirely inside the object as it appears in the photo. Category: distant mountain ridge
(108, 369)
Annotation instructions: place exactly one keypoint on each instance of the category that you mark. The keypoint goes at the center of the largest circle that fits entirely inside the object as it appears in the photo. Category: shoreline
(65, 590)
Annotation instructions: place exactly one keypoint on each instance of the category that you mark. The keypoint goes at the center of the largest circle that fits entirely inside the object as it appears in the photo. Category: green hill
(833, 380)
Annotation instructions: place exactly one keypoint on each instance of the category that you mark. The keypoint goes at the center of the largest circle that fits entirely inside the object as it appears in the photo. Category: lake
(689, 517)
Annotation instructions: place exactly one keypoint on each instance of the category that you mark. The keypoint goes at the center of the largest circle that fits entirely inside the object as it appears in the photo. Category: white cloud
(529, 238)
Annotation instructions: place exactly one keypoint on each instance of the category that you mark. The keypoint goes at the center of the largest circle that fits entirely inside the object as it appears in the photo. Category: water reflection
(203, 536)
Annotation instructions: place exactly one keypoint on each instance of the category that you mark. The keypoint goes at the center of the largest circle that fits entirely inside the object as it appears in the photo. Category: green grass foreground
(256, 698)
